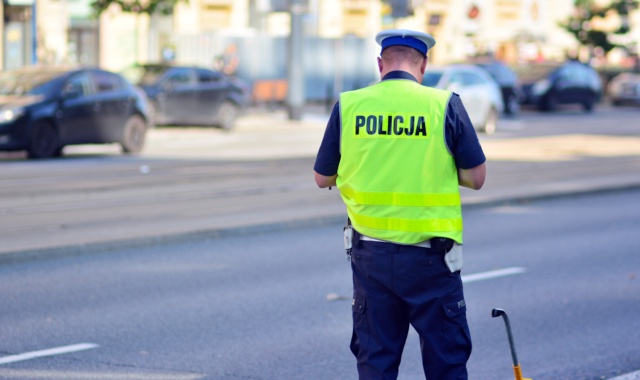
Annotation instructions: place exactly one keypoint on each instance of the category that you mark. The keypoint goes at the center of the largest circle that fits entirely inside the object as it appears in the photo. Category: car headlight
(10, 114)
(540, 87)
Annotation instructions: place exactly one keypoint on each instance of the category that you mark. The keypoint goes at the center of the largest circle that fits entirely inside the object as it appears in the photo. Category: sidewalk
(521, 168)
(193, 183)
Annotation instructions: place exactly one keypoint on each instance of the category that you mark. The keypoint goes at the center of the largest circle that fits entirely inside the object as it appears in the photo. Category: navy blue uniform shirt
(461, 137)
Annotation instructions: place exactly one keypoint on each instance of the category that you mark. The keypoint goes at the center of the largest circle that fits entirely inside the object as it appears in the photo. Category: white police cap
(420, 41)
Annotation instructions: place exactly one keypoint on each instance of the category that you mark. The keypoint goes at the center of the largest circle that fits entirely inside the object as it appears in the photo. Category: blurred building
(510, 30)
(207, 31)
(83, 36)
(33, 31)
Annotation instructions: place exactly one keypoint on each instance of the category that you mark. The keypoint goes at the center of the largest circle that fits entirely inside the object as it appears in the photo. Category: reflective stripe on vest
(405, 197)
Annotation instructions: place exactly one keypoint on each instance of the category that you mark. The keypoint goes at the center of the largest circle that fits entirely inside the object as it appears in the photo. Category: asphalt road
(276, 305)
(217, 241)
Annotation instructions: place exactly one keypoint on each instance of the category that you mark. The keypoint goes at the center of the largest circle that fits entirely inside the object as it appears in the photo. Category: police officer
(398, 152)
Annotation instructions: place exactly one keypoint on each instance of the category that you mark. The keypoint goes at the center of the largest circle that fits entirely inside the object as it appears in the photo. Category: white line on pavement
(48, 374)
(47, 352)
(493, 274)
(465, 278)
(629, 376)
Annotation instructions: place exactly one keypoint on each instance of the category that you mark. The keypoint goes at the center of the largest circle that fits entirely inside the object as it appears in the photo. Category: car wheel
(133, 134)
(226, 115)
(550, 103)
(491, 122)
(152, 109)
(513, 106)
(44, 141)
(589, 102)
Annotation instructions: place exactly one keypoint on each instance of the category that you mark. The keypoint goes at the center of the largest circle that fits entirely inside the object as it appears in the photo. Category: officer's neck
(415, 70)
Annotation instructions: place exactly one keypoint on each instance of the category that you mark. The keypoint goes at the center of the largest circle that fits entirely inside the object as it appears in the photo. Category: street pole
(295, 74)
(2, 37)
(34, 34)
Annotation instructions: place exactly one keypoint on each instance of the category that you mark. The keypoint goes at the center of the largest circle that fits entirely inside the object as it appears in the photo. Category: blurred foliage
(581, 24)
(137, 6)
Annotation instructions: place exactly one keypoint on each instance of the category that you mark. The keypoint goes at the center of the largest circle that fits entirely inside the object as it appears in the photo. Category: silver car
(479, 93)
(624, 89)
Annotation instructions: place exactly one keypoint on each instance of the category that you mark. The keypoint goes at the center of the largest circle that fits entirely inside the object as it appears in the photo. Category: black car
(508, 82)
(183, 95)
(42, 109)
(549, 85)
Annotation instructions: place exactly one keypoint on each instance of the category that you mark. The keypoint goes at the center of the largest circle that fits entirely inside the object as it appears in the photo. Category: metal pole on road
(295, 96)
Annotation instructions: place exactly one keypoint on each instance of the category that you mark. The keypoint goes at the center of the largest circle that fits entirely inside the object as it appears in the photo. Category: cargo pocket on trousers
(360, 336)
(457, 339)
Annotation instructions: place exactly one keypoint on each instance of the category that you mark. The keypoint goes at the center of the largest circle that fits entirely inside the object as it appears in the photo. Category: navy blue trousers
(397, 286)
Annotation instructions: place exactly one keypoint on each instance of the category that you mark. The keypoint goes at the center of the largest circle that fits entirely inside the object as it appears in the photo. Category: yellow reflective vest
(396, 175)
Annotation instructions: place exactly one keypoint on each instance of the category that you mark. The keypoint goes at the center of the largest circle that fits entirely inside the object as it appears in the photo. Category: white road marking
(629, 376)
(47, 352)
(492, 274)
(465, 278)
(30, 374)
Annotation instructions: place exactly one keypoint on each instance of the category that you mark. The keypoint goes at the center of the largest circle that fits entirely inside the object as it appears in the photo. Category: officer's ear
(423, 67)
(379, 64)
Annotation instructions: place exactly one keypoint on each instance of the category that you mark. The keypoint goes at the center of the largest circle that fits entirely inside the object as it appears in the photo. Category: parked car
(183, 95)
(549, 85)
(479, 93)
(506, 79)
(43, 109)
(624, 89)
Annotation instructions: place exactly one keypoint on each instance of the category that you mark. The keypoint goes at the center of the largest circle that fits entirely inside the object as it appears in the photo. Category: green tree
(581, 24)
(137, 6)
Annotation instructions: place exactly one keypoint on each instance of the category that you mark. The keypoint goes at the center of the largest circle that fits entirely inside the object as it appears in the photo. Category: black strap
(441, 244)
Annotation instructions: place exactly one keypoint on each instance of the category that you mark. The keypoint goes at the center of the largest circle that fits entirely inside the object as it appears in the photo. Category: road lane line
(629, 376)
(492, 274)
(465, 278)
(47, 352)
(30, 374)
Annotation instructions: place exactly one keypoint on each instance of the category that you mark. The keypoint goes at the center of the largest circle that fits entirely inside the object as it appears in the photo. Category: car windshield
(534, 72)
(29, 83)
(144, 75)
(500, 73)
(431, 78)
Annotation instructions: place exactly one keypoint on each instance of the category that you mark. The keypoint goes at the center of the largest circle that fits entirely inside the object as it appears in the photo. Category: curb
(107, 246)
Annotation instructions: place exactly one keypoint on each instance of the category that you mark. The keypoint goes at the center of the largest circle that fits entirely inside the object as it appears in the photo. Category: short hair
(402, 53)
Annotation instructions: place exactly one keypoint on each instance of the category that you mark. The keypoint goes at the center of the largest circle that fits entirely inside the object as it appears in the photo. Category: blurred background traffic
(206, 62)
